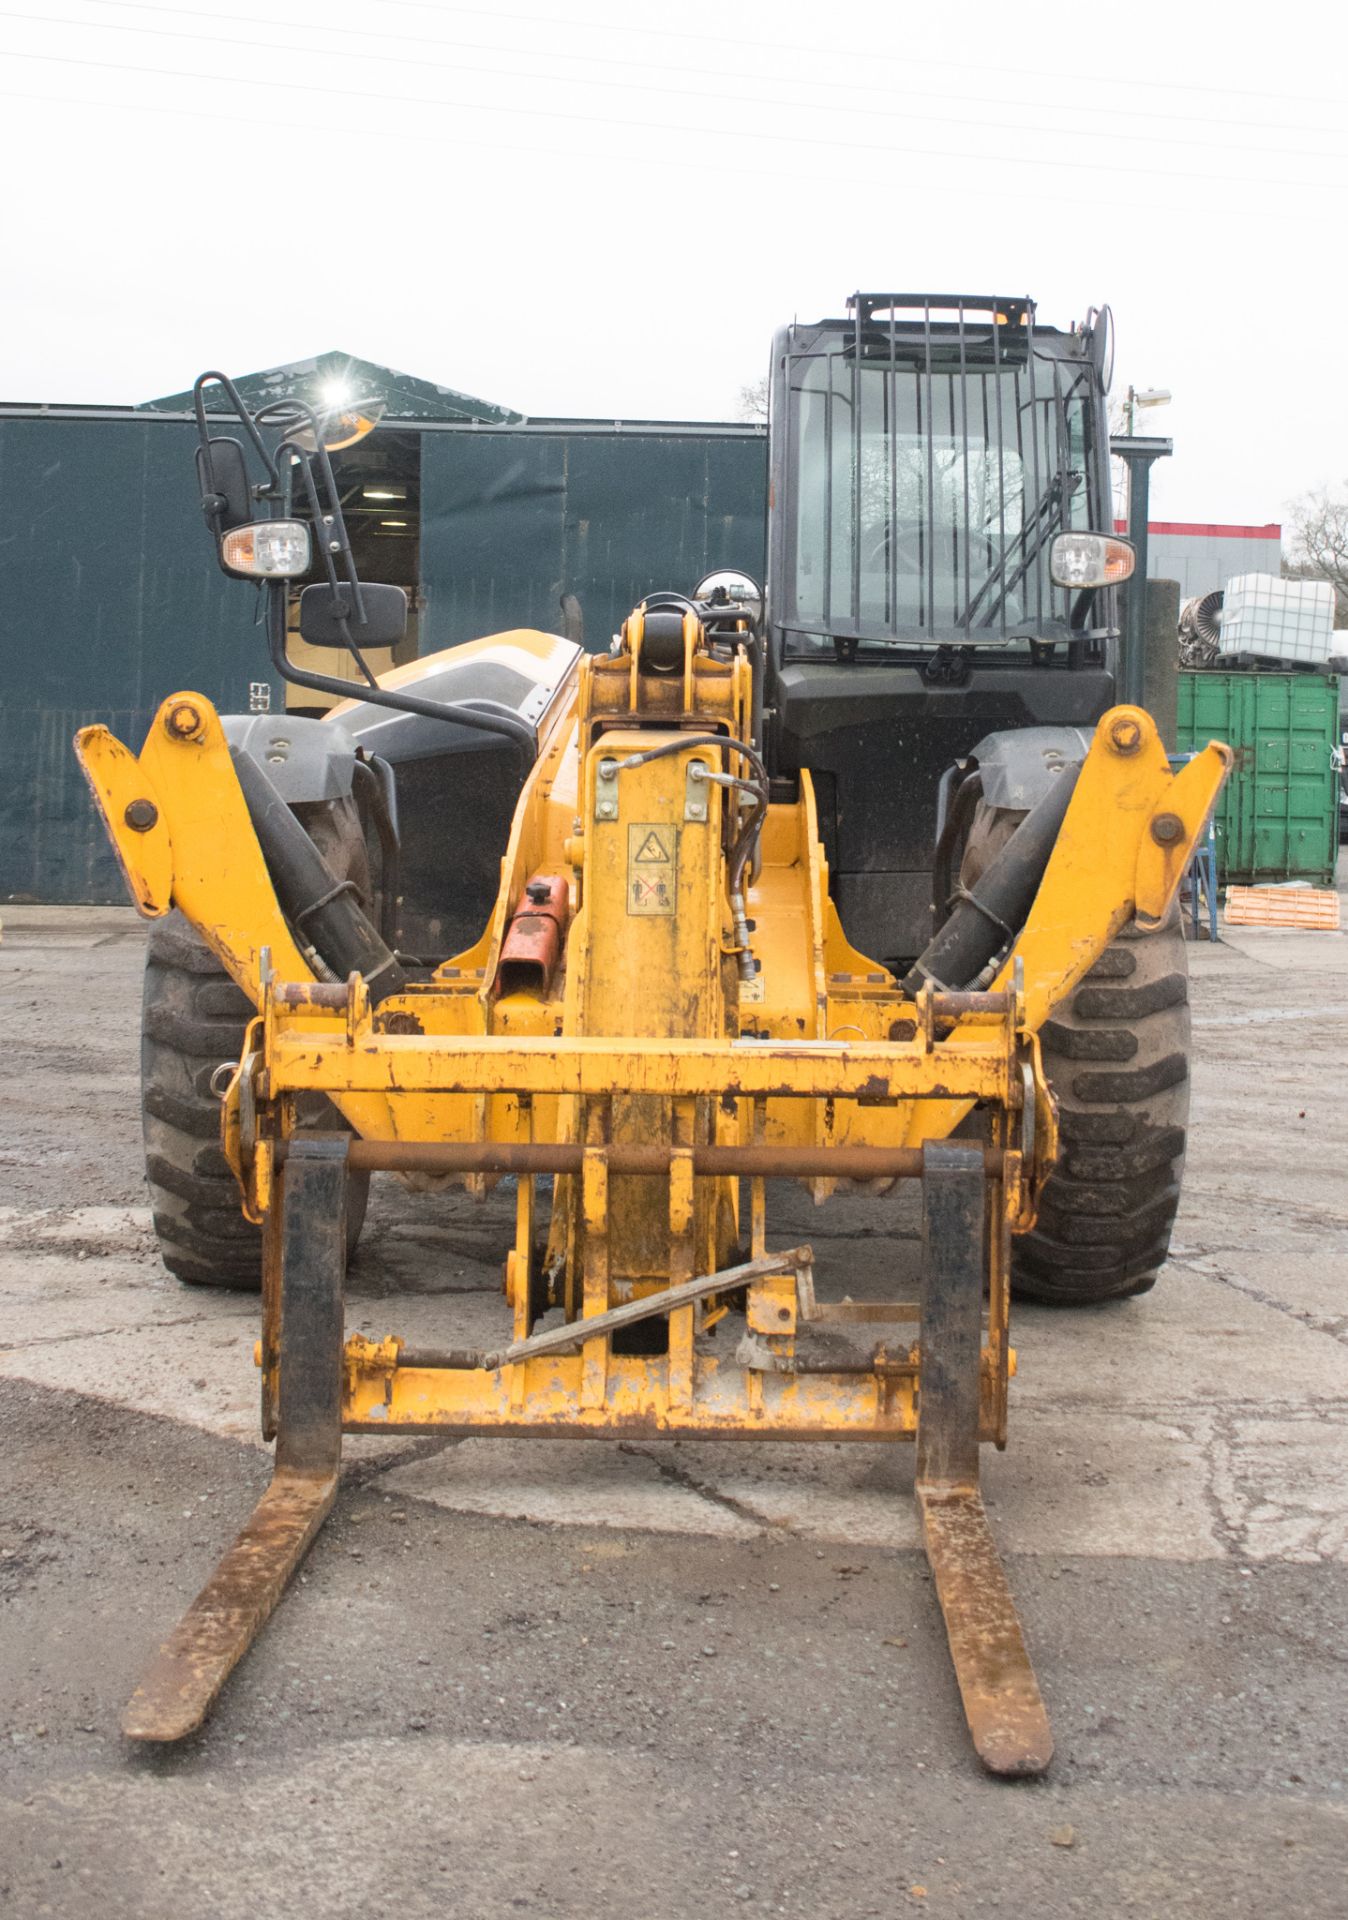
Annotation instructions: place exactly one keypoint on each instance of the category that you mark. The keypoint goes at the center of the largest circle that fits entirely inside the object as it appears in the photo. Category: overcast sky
(605, 209)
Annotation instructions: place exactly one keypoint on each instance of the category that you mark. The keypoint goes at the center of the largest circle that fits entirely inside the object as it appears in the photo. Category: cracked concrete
(729, 1650)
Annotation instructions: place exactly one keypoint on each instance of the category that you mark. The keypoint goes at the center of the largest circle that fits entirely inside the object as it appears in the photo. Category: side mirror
(738, 592)
(322, 612)
(226, 497)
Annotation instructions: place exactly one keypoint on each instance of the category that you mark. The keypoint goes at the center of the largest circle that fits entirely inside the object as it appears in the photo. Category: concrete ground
(579, 1679)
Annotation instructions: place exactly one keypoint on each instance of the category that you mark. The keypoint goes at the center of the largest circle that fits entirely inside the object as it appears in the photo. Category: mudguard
(305, 760)
(1019, 768)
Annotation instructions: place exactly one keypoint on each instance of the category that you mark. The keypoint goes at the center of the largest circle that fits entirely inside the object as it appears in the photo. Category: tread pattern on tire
(193, 1019)
(1116, 1054)
(1117, 1057)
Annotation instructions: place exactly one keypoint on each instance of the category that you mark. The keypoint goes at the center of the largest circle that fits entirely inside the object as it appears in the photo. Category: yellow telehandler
(671, 1002)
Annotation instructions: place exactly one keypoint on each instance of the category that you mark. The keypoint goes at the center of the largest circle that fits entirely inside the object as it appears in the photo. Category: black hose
(742, 846)
(683, 740)
(758, 665)
(370, 777)
(324, 911)
(954, 831)
(987, 918)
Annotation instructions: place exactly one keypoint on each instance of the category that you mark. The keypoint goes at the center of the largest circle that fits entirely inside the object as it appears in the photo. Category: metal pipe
(1135, 592)
(544, 1157)
(1138, 455)
(954, 1006)
(473, 1360)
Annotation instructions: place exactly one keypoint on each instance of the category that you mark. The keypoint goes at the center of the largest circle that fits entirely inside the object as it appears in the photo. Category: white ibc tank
(1278, 619)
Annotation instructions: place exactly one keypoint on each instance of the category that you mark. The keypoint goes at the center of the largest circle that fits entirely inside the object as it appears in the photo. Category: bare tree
(1320, 545)
(753, 402)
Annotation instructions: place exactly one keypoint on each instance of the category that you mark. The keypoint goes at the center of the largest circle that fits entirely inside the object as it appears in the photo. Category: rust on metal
(185, 721)
(141, 815)
(329, 994)
(953, 1006)
(456, 1359)
(577, 1332)
(182, 1682)
(542, 1157)
(398, 1021)
(1125, 734)
(997, 1683)
(845, 1313)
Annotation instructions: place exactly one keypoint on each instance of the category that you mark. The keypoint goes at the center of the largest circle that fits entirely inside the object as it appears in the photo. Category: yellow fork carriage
(663, 1006)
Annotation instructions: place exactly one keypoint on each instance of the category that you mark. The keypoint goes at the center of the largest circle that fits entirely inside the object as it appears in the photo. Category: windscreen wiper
(1045, 520)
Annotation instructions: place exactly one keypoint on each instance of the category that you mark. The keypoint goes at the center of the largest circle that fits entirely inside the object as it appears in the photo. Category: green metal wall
(1278, 816)
(510, 522)
(109, 597)
(109, 600)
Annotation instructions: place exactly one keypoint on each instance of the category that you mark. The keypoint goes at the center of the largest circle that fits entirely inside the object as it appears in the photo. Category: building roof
(1208, 529)
(405, 396)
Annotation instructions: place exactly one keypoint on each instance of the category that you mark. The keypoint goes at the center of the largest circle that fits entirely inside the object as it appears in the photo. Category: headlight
(268, 550)
(1090, 560)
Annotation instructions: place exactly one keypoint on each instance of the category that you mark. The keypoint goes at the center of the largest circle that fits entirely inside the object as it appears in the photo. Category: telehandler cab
(703, 952)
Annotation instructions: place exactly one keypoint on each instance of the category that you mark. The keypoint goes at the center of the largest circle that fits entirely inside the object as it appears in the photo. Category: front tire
(1116, 1054)
(193, 1020)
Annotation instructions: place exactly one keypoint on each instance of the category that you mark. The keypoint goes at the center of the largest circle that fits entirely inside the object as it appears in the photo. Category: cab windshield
(926, 496)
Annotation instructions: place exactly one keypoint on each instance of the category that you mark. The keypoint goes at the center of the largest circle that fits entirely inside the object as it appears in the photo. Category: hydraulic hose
(986, 919)
(324, 911)
(951, 833)
(375, 778)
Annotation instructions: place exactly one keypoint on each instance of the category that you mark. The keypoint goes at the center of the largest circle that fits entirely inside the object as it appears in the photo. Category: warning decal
(652, 850)
(652, 858)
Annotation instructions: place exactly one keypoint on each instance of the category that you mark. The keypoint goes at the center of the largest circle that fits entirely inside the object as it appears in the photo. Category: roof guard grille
(898, 325)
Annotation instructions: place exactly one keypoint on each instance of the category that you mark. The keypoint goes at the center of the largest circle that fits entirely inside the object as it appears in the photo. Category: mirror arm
(342, 540)
(330, 532)
(477, 719)
(246, 421)
(480, 717)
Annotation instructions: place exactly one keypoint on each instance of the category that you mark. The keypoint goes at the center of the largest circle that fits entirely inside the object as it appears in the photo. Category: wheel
(1116, 1054)
(193, 1019)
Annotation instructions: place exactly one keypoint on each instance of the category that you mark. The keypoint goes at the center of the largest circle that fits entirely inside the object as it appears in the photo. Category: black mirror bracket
(380, 612)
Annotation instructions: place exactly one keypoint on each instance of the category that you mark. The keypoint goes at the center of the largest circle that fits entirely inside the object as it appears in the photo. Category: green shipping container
(1278, 817)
